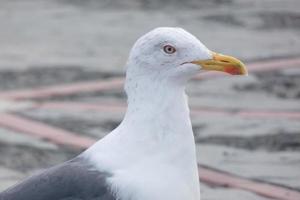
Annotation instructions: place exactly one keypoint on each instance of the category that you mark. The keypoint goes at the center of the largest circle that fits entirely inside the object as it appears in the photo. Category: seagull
(151, 154)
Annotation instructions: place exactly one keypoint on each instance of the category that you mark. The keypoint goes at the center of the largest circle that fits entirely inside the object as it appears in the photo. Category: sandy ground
(44, 43)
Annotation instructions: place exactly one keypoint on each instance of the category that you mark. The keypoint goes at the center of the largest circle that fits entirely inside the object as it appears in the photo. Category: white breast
(154, 181)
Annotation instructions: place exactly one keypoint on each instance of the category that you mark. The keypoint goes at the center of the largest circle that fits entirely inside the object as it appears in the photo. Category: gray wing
(72, 180)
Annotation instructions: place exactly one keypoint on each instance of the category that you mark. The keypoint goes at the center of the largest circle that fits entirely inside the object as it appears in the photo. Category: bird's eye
(169, 49)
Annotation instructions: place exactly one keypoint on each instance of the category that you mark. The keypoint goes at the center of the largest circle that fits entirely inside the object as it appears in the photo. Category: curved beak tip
(223, 63)
(239, 69)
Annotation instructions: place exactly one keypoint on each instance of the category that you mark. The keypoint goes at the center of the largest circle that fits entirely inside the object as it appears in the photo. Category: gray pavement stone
(12, 138)
(208, 93)
(6, 106)
(25, 155)
(220, 125)
(9, 177)
(215, 193)
(89, 123)
(274, 167)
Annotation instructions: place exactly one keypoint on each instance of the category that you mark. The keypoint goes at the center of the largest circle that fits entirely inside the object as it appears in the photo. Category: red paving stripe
(223, 179)
(120, 108)
(209, 176)
(82, 107)
(44, 131)
(62, 90)
(274, 64)
(117, 83)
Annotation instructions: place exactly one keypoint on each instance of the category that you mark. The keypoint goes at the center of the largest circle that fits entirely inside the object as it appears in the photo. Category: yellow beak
(223, 63)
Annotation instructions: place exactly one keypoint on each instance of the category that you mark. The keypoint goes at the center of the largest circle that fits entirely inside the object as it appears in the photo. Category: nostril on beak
(226, 61)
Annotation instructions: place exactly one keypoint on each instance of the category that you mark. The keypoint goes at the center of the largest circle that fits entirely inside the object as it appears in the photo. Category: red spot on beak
(232, 70)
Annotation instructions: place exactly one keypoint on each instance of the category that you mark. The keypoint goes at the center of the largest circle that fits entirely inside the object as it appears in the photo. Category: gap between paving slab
(207, 175)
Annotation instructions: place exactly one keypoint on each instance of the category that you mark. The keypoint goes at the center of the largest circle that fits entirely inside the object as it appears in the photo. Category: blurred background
(61, 83)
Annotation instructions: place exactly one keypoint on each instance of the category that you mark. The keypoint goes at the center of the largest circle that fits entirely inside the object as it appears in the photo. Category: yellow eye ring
(169, 49)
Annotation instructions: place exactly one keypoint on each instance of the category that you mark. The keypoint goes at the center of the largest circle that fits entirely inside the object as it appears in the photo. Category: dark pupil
(169, 49)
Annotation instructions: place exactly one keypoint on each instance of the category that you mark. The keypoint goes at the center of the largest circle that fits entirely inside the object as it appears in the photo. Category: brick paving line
(117, 83)
(274, 64)
(206, 175)
(44, 131)
(63, 90)
(81, 107)
(121, 108)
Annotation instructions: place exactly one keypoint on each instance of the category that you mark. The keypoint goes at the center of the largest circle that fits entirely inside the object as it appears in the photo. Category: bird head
(174, 54)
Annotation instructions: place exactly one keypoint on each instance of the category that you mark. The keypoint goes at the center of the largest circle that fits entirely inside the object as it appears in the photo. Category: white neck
(156, 131)
(157, 116)
(157, 121)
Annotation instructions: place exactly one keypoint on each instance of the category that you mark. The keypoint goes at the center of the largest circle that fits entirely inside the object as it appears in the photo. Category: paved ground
(247, 127)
